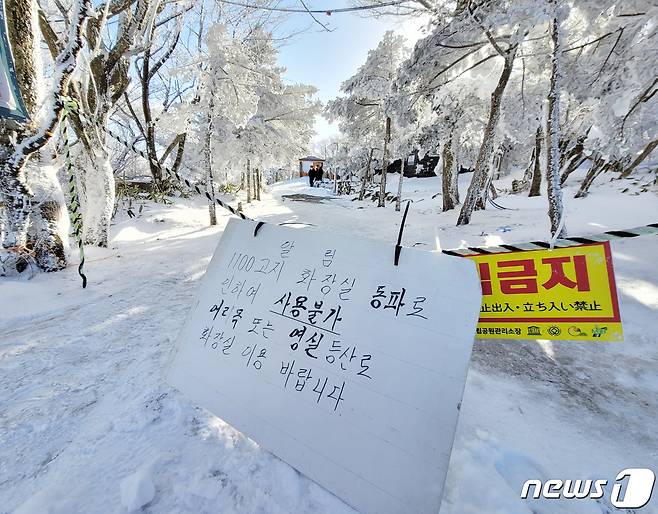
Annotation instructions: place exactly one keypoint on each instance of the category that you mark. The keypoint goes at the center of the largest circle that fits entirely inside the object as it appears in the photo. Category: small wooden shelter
(305, 164)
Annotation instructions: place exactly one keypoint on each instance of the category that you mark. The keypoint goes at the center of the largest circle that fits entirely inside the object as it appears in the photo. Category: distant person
(311, 175)
(319, 171)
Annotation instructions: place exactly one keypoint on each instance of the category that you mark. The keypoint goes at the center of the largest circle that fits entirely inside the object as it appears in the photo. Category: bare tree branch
(64, 67)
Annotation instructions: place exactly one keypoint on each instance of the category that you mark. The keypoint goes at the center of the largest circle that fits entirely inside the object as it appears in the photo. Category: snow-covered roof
(311, 158)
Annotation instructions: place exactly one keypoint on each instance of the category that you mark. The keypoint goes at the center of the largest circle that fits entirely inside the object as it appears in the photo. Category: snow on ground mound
(301, 186)
(137, 489)
(87, 424)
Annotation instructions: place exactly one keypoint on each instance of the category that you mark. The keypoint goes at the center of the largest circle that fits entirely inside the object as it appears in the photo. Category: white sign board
(349, 368)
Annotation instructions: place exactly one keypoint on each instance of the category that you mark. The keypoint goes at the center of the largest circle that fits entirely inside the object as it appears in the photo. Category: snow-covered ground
(87, 424)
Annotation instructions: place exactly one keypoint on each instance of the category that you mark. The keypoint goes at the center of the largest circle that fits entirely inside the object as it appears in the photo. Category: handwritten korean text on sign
(564, 293)
(347, 367)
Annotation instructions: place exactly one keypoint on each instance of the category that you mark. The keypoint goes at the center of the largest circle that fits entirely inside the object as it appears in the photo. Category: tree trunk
(96, 185)
(398, 202)
(497, 163)
(638, 160)
(575, 157)
(598, 166)
(149, 124)
(382, 183)
(210, 179)
(449, 179)
(258, 184)
(110, 74)
(179, 143)
(554, 189)
(49, 227)
(480, 181)
(148, 130)
(366, 176)
(254, 184)
(16, 202)
(22, 34)
(248, 173)
(535, 186)
(16, 197)
(572, 165)
(18, 206)
(97, 202)
(527, 173)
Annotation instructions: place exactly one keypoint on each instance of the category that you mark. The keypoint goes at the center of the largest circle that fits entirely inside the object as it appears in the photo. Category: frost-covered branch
(65, 64)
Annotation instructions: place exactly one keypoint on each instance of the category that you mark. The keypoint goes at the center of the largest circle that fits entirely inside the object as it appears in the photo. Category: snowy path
(88, 425)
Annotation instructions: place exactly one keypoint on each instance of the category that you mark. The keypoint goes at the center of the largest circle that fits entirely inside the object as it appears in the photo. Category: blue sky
(326, 59)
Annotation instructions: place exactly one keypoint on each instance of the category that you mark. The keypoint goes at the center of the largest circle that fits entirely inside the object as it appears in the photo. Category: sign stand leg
(398, 247)
(258, 226)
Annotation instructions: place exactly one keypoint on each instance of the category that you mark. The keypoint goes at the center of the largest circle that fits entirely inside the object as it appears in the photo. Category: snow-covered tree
(250, 117)
(107, 57)
(608, 48)
(364, 112)
(553, 150)
(31, 200)
(159, 91)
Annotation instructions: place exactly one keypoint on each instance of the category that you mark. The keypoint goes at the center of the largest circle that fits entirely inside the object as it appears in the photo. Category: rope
(169, 172)
(497, 205)
(328, 12)
(611, 235)
(74, 212)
